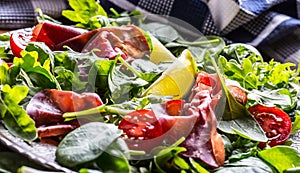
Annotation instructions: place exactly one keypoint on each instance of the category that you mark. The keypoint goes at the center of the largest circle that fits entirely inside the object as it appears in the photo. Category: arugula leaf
(168, 160)
(236, 119)
(281, 157)
(244, 76)
(4, 74)
(261, 79)
(242, 148)
(296, 123)
(5, 47)
(45, 55)
(84, 12)
(40, 76)
(68, 80)
(237, 52)
(254, 73)
(14, 116)
(281, 98)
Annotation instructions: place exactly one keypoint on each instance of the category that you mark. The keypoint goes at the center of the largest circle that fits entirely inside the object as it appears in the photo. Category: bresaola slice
(128, 41)
(52, 33)
(204, 142)
(47, 107)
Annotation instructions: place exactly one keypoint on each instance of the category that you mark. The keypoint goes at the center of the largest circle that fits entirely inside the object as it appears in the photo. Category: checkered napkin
(16, 14)
(270, 25)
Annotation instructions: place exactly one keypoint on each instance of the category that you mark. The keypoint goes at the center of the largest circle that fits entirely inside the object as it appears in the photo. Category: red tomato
(142, 130)
(18, 41)
(239, 94)
(174, 107)
(275, 122)
(141, 124)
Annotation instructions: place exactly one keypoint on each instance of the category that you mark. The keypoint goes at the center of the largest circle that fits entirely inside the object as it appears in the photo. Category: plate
(40, 153)
(44, 154)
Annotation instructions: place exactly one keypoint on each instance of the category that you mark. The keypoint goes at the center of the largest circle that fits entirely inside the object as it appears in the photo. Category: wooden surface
(3, 31)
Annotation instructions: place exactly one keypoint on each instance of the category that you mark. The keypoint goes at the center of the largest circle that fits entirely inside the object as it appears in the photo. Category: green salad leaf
(281, 157)
(83, 12)
(271, 83)
(168, 160)
(250, 164)
(87, 143)
(236, 119)
(296, 123)
(14, 116)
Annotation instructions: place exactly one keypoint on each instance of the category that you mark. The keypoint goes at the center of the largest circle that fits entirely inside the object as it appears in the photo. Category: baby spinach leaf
(165, 33)
(281, 157)
(149, 71)
(250, 164)
(122, 86)
(115, 157)
(86, 143)
(98, 77)
(14, 116)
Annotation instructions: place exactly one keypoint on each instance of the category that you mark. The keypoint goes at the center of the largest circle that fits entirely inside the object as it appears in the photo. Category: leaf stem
(133, 70)
(99, 109)
(198, 43)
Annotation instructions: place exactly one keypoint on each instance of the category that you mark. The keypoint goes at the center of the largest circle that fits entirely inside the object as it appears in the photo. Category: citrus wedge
(159, 52)
(177, 80)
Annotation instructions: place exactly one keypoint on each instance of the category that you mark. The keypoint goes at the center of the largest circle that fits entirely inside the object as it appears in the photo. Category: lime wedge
(159, 52)
(177, 80)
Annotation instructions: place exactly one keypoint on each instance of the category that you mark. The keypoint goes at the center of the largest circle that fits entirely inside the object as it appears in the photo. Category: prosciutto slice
(128, 41)
(47, 107)
(204, 142)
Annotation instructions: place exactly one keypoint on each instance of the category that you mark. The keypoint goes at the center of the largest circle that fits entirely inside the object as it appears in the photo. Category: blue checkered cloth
(273, 26)
(270, 25)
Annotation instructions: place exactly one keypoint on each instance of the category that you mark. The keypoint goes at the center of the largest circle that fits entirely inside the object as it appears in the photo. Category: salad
(122, 93)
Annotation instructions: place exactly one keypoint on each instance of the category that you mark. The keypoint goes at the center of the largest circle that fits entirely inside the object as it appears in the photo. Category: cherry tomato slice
(141, 125)
(18, 41)
(239, 94)
(275, 122)
(174, 107)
